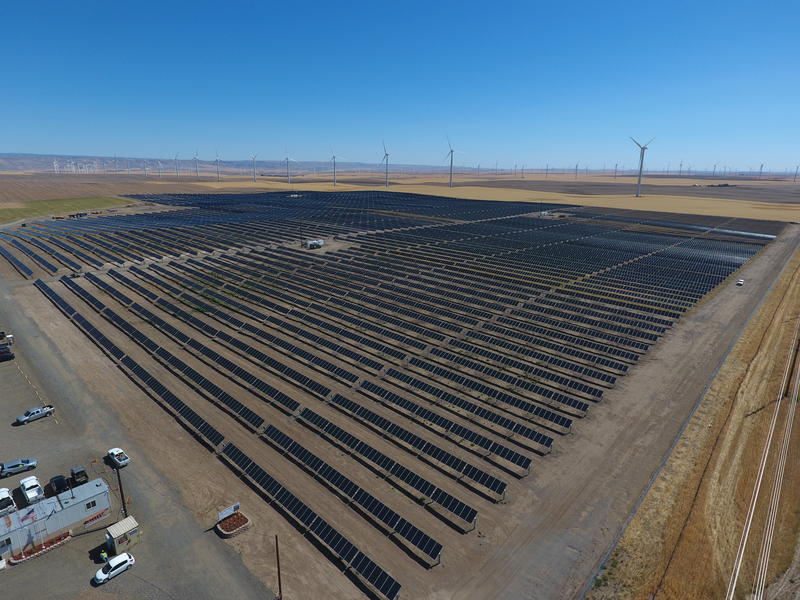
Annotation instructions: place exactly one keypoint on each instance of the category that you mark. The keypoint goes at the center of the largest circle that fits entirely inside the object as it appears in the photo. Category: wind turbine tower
(450, 155)
(253, 158)
(385, 159)
(177, 173)
(333, 158)
(642, 150)
(217, 166)
(760, 170)
(196, 170)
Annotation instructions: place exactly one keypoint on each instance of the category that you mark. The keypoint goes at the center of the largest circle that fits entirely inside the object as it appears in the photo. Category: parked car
(115, 565)
(13, 467)
(59, 484)
(118, 457)
(79, 476)
(6, 502)
(740, 282)
(31, 489)
(35, 413)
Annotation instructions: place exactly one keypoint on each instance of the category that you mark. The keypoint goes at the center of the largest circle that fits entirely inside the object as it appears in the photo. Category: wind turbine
(642, 149)
(795, 174)
(288, 172)
(145, 167)
(196, 170)
(333, 158)
(177, 174)
(160, 168)
(615, 170)
(760, 170)
(55, 167)
(449, 154)
(217, 161)
(253, 158)
(385, 159)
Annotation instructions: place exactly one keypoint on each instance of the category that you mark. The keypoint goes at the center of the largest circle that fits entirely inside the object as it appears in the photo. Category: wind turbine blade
(648, 143)
(449, 145)
(635, 142)
(384, 148)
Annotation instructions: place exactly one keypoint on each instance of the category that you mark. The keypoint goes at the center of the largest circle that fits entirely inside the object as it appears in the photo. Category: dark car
(79, 475)
(59, 484)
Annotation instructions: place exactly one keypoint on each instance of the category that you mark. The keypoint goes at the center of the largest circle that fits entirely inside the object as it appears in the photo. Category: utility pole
(278, 561)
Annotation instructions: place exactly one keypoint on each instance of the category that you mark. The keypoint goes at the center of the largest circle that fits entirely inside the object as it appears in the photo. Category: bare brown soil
(683, 539)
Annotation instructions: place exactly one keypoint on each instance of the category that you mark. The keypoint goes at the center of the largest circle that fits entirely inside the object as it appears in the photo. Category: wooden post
(278, 560)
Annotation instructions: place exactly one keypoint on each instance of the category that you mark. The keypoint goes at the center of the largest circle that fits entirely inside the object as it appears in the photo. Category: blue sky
(528, 83)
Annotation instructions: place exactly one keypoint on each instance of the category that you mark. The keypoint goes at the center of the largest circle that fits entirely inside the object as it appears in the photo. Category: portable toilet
(122, 535)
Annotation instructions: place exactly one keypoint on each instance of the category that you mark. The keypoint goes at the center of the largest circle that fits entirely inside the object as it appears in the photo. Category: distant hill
(66, 163)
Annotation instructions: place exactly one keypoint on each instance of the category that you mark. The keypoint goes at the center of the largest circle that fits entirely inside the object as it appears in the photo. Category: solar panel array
(446, 345)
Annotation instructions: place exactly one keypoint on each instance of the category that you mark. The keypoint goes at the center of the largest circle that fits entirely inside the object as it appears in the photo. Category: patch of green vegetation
(47, 208)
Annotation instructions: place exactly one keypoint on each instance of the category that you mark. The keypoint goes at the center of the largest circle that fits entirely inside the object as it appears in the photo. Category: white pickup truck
(31, 489)
(35, 413)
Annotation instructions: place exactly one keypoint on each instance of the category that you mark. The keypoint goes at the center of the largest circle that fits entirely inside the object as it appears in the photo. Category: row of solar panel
(483, 416)
(173, 361)
(243, 348)
(450, 428)
(349, 554)
(527, 368)
(427, 490)
(213, 436)
(355, 493)
(432, 452)
(259, 300)
(294, 351)
(287, 326)
(284, 401)
(563, 402)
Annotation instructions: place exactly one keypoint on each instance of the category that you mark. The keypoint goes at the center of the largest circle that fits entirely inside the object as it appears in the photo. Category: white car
(115, 565)
(6, 502)
(118, 457)
(31, 489)
(740, 282)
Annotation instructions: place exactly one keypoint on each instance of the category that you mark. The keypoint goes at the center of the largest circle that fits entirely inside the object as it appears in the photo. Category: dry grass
(682, 541)
(14, 211)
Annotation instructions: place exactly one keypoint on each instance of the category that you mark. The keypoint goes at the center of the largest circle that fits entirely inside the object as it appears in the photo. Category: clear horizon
(524, 84)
